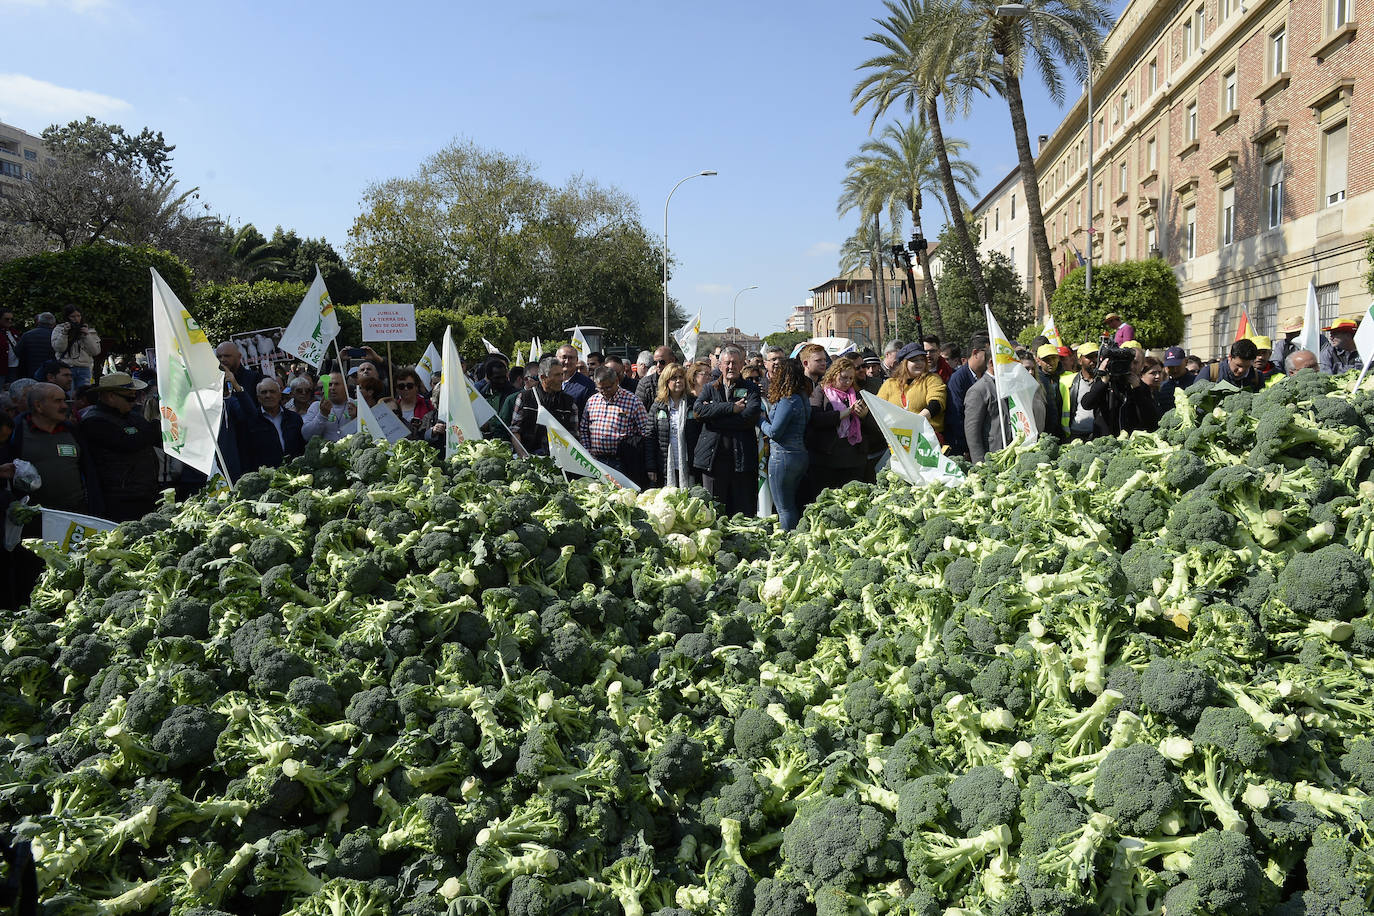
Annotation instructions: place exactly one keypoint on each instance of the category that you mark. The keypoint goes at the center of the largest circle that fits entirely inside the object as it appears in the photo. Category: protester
(303, 394)
(9, 346)
(840, 431)
(814, 362)
(727, 452)
(987, 425)
(1153, 378)
(1299, 360)
(890, 354)
(35, 345)
(1264, 365)
(549, 394)
(648, 388)
(497, 391)
(915, 388)
(784, 422)
(617, 364)
(675, 429)
(773, 359)
(123, 448)
(1048, 374)
(231, 361)
(86, 399)
(595, 360)
(1121, 402)
(871, 371)
(1177, 375)
(56, 372)
(416, 410)
(77, 344)
(1338, 352)
(578, 386)
(934, 360)
(334, 416)
(1238, 368)
(701, 374)
(1194, 364)
(46, 437)
(615, 426)
(267, 434)
(644, 364)
(1121, 331)
(1289, 345)
(1077, 420)
(952, 355)
(959, 383)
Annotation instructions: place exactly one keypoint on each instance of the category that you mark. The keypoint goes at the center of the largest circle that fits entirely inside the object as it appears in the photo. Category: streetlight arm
(702, 174)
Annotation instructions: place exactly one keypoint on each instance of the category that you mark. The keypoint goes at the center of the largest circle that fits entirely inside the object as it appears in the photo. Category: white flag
(1015, 386)
(427, 364)
(189, 380)
(536, 351)
(69, 530)
(916, 455)
(1310, 338)
(569, 454)
(313, 326)
(687, 337)
(1364, 343)
(519, 359)
(456, 400)
(491, 348)
(579, 343)
(1050, 331)
(766, 507)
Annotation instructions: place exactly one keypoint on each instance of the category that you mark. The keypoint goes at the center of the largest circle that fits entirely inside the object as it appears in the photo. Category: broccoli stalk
(1214, 788)
(946, 857)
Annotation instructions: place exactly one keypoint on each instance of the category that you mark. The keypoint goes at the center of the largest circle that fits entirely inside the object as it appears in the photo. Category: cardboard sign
(388, 322)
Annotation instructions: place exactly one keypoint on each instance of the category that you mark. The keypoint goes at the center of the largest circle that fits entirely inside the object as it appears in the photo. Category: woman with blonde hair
(698, 377)
(675, 430)
(841, 432)
(915, 388)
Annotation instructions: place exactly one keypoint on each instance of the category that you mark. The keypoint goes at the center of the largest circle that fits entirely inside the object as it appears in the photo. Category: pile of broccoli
(1128, 676)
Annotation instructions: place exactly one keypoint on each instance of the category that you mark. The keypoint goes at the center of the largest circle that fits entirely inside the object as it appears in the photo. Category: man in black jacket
(550, 394)
(727, 453)
(231, 361)
(268, 434)
(122, 447)
(35, 345)
(1120, 403)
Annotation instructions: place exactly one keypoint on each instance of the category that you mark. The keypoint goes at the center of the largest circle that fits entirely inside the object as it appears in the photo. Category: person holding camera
(1119, 400)
(76, 344)
(1238, 368)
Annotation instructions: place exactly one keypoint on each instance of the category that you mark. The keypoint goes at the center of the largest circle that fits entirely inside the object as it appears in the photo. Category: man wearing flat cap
(122, 447)
(1121, 331)
(1338, 350)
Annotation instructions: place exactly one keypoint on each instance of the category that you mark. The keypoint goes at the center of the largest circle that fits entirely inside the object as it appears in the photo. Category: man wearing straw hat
(122, 446)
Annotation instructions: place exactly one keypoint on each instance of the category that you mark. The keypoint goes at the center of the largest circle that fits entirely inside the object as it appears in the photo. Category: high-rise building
(21, 155)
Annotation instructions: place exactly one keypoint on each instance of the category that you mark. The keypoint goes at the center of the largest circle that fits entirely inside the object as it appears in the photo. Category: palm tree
(857, 193)
(899, 168)
(924, 56)
(861, 249)
(253, 255)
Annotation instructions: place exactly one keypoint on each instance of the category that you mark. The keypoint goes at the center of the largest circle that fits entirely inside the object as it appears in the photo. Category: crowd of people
(93, 446)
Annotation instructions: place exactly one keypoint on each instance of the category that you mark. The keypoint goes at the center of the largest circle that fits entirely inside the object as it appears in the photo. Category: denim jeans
(81, 376)
(785, 470)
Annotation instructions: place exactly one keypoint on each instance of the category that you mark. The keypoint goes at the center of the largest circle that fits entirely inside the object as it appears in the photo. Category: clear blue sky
(283, 113)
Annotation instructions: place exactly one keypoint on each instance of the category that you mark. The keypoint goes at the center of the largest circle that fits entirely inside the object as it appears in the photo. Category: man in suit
(268, 434)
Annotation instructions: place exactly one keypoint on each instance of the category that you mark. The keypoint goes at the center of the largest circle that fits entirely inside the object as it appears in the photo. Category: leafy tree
(786, 339)
(1144, 293)
(963, 312)
(478, 231)
(111, 283)
(301, 256)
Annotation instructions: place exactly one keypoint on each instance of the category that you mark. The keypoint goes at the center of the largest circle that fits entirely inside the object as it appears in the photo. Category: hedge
(1144, 293)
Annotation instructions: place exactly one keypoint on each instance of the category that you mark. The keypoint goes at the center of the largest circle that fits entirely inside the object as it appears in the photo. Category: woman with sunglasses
(412, 405)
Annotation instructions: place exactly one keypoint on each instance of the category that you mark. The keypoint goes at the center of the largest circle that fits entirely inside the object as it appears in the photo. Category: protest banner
(915, 448)
(569, 454)
(69, 530)
(313, 327)
(383, 322)
(190, 382)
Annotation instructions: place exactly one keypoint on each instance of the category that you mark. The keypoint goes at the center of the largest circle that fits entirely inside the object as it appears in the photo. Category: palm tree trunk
(923, 258)
(880, 327)
(877, 322)
(1029, 184)
(956, 209)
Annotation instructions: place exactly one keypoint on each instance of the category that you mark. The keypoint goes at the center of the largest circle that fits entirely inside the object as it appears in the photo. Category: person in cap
(915, 387)
(1338, 350)
(872, 370)
(123, 448)
(1289, 345)
(1047, 359)
(1121, 331)
(1264, 359)
(1238, 368)
(1075, 419)
(1176, 375)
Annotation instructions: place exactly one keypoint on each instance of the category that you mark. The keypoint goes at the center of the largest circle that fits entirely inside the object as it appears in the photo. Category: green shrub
(1144, 293)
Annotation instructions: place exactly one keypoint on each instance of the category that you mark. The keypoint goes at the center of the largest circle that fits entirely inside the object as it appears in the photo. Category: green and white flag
(427, 364)
(1364, 343)
(1015, 386)
(313, 326)
(69, 530)
(579, 343)
(916, 455)
(569, 455)
(536, 350)
(1310, 337)
(189, 380)
(384, 424)
(457, 407)
(688, 336)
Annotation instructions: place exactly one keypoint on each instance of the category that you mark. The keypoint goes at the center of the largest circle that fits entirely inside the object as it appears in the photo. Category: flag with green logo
(1016, 387)
(916, 454)
(457, 401)
(1364, 343)
(314, 325)
(189, 380)
(569, 454)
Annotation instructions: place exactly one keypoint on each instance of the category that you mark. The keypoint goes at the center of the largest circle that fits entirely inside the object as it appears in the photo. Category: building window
(31, 155)
(1335, 143)
(1267, 316)
(1340, 13)
(1078, 213)
(996, 220)
(1199, 20)
(1273, 194)
(1228, 215)
(1190, 121)
(1151, 155)
(1152, 239)
(1227, 7)
(1221, 330)
(1013, 206)
(1100, 203)
(11, 169)
(1121, 177)
(843, 297)
(1187, 37)
(1278, 52)
(1012, 256)
(1329, 303)
(1154, 76)
(1189, 232)
(1228, 99)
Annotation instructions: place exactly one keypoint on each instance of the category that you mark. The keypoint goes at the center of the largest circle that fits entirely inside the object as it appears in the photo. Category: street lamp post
(1020, 11)
(701, 174)
(734, 313)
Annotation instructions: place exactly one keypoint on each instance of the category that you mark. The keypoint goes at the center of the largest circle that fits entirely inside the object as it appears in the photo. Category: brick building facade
(844, 306)
(1233, 139)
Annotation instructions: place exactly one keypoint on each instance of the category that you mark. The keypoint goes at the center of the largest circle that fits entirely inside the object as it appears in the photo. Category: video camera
(1119, 359)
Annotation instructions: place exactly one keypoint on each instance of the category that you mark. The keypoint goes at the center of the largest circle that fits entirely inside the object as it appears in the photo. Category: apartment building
(1004, 227)
(800, 319)
(21, 153)
(1232, 138)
